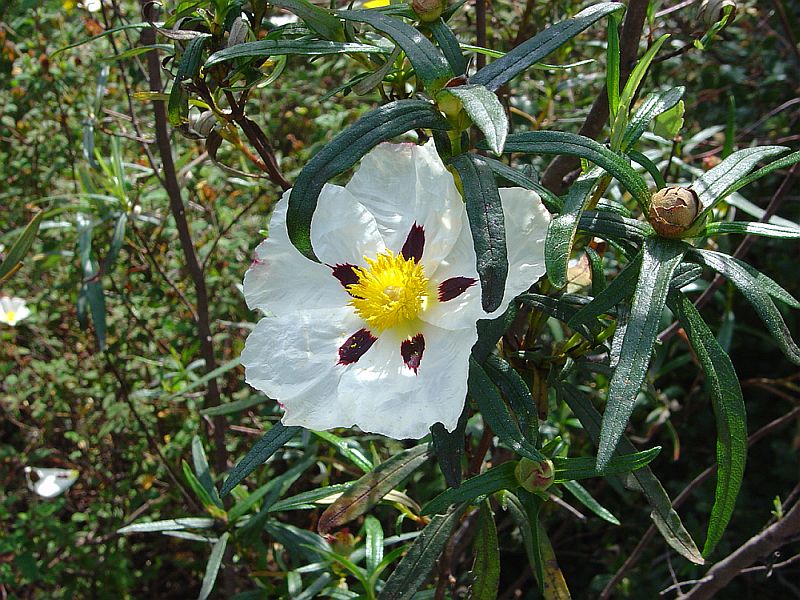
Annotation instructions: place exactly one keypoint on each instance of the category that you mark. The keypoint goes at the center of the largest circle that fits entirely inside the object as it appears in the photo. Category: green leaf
(307, 500)
(429, 63)
(242, 507)
(551, 202)
(758, 289)
(619, 126)
(317, 18)
(490, 481)
(751, 228)
(366, 492)
(559, 309)
(200, 463)
(188, 68)
(598, 272)
(117, 237)
(621, 288)
(729, 410)
(490, 331)
(650, 167)
(558, 142)
(535, 49)
(20, 248)
(102, 35)
(713, 185)
(669, 123)
(415, 567)
(168, 525)
(212, 568)
(659, 261)
(664, 516)
(604, 223)
(553, 582)
(570, 469)
(344, 151)
(91, 290)
(582, 495)
(486, 221)
(612, 70)
(485, 110)
(515, 390)
(347, 447)
(563, 228)
(486, 568)
(272, 441)
(449, 446)
(449, 45)
(525, 518)
(374, 543)
(496, 413)
(201, 493)
(264, 48)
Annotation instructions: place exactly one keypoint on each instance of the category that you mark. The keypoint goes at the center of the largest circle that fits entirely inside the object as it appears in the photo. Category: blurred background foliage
(68, 142)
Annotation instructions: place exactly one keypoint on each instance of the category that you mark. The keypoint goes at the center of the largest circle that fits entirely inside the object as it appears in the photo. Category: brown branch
(172, 187)
(480, 32)
(554, 176)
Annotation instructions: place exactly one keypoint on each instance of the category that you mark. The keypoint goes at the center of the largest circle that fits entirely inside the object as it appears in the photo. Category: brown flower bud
(535, 475)
(428, 10)
(673, 210)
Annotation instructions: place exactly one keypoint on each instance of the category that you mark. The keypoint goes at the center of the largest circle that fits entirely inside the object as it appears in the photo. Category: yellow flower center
(10, 316)
(391, 292)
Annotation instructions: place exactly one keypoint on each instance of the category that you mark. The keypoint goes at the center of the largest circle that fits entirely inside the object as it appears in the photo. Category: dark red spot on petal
(454, 287)
(415, 243)
(411, 350)
(345, 273)
(355, 346)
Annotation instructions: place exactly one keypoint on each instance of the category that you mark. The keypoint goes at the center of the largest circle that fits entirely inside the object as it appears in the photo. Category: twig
(480, 31)
(561, 166)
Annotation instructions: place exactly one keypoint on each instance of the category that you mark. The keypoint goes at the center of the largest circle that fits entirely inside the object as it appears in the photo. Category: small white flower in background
(13, 310)
(379, 333)
(50, 483)
(283, 18)
(92, 5)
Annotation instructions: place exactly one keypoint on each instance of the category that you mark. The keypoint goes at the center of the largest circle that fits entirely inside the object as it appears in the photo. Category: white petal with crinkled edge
(403, 184)
(13, 310)
(390, 406)
(526, 221)
(286, 356)
(281, 280)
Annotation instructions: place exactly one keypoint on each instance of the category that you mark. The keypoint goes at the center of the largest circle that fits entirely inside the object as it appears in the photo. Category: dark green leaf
(758, 289)
(535, 49)
(485, 214)
(491, 330)
(620, 289)
(752, 228)
(415, 567)
(365, 493)
(317, 18)
(347, 447)
(603, 223)
(168, 525)
(429, 63)
(20, 248)
(200, 463)
(558, 308)
(558, 142)
(561, 233)
(612, 70)
(490, 481)
(116, 242)
(660, 259)
(652, 106)
(449, 446)
(649, 166)
(264, 48)
(449, 45)
(486, 568)
(307, 500)
(272, 441)
(570, 469)
(344, 151)
(582, 495)
(551, 202)
(515, 390)
(188, 68)
(598, 273)
(485, 110)
(495, 412)
(729, 410)
(664, 516)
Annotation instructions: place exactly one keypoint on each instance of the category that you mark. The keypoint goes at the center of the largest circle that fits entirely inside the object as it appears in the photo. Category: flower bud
(673, 210)
(428, 10)
(239, 31)
(535, 475)
(204, 123)
(712, 11)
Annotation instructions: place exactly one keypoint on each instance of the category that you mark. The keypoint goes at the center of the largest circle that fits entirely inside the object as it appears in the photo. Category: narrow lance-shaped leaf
(188, 68)
(729, 410)
(491, 330)
(429, 63)
(561, 233)
(659, 261)
(612, 71)
(344, 151)
(551, 202)
(652, 106)
(535, 49)
(485, 110)
(486, 568)
(272, 441)
(212, 568)
(263, 48)
(415, 567)
(20, 248)
(582, 495)
(450, 46)
(558, 142)
(751, 228)
(449, 446)
(664, 516)
(757, 288)
(317, 18)
(492, 480)
(374, 542)
(515, 390)
(486, 221)
(368, 491)
(571, 469)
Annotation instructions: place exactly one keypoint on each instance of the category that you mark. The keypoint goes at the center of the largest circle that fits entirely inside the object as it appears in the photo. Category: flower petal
(526, 222)
(281, 280)
(404, 184)
(394, 400)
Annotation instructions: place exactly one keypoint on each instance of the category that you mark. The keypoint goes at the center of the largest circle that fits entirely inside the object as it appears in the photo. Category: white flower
(379, 333)
(50, 482)
(13, 310)
(92, 5)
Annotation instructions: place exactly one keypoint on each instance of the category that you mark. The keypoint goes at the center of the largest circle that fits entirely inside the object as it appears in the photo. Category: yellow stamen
(9, 317)
(391, 292)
